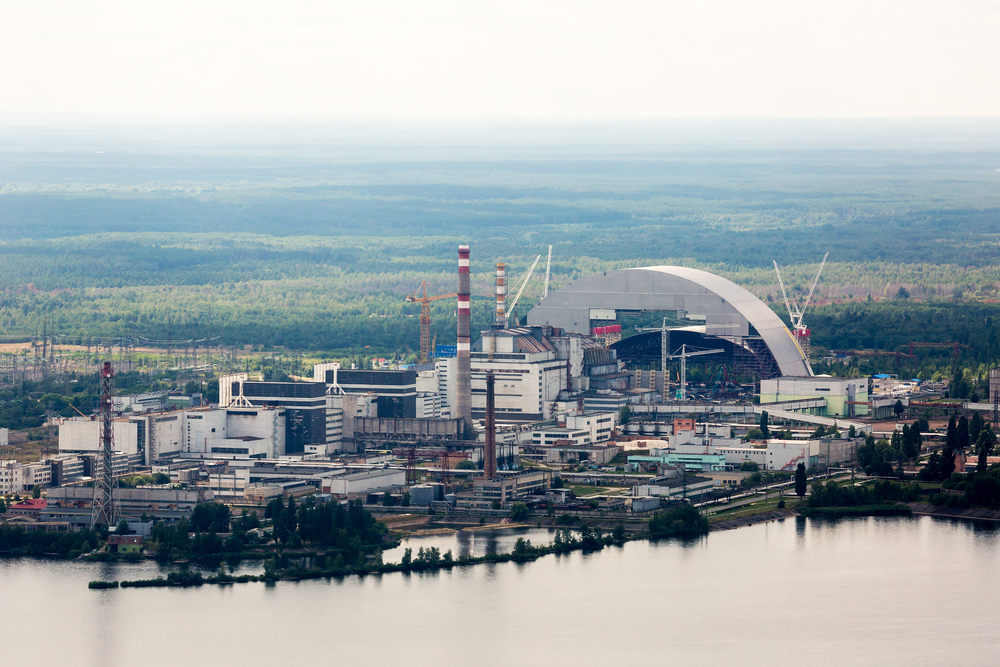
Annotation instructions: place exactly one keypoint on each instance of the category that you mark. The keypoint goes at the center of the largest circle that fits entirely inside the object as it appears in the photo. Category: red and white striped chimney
(463, 409)
(501, 320)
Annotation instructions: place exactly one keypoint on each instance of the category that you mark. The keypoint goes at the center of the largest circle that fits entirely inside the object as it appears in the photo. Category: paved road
(746, 498)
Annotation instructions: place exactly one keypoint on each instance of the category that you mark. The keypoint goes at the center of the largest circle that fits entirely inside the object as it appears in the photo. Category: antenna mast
(104, 510)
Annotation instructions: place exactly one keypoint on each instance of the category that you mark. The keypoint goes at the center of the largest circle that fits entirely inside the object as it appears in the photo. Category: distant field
(317, 253)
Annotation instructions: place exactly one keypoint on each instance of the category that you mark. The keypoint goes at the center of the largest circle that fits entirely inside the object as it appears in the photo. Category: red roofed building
(30, 507)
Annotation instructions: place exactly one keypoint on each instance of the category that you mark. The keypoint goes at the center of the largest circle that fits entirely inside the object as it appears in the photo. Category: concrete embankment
(751, 519)
(974, 513)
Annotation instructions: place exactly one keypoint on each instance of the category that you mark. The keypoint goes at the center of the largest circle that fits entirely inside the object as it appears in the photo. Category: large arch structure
(717, 309)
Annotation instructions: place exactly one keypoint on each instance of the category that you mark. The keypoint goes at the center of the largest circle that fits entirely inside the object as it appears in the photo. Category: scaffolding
(752, 357)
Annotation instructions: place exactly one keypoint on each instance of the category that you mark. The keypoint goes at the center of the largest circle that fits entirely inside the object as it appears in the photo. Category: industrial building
(304, 404)
(503, 489)
(535, 367)
(139, 403)
(253, 432)
(576, 429)
(361, 482)
(74, 503)
(845, 397)
(395, 391)
(570, 454)
(662, 458)
(677, 487)
(80, 435)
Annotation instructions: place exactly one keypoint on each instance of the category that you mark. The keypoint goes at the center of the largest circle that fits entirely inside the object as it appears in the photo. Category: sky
(434, 58)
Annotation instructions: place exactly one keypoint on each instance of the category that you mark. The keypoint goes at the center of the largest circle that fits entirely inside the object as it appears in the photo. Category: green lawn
(762, 505)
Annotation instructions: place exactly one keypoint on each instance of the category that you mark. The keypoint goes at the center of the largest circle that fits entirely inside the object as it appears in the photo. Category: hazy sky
(539, 58)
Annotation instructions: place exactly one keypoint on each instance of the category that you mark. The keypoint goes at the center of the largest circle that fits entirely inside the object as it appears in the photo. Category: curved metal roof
(727, 308)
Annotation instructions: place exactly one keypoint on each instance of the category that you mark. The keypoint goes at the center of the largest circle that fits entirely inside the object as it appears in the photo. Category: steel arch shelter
(727, 310)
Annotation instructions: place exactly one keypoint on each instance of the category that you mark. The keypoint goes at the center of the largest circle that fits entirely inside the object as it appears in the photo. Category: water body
(874, 591)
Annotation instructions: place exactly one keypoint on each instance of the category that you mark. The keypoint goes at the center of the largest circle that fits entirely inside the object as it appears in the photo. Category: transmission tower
(104, 511)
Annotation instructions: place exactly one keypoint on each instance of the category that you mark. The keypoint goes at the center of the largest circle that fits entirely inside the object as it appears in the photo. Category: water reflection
(865, 591)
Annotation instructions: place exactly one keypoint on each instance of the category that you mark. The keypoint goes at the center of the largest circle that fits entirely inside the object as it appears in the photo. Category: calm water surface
(885, 591)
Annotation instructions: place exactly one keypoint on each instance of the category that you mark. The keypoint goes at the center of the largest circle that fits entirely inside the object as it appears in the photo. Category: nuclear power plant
(486, 421)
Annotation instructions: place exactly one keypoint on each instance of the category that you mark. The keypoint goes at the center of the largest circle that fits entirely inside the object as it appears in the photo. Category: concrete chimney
(501, 320)
(490, 451)
(463, 384)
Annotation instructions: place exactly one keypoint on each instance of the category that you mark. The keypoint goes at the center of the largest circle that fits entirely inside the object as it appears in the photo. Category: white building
(427, 382)
(4, 434)
(579, 430)
(780, 455)
(11, 476)
(429, 406)
(530, 367)
(79, 435)
(38, 472)
(198, 433)
(264, 424)
(341, 412)
(234, 433)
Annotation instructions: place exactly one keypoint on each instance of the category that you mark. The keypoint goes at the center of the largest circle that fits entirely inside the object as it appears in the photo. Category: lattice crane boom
(425, 316)
(548, 266)
(791, 314)
(812, 289)
(523, 282)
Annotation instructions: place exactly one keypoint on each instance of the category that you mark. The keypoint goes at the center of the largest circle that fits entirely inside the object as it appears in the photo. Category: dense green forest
(317, 253)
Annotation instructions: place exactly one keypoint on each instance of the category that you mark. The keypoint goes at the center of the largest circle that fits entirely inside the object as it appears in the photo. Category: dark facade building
(396, 391)
(305, 409)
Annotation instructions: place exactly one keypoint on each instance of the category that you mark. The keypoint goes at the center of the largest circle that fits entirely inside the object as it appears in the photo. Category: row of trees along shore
(346, 553)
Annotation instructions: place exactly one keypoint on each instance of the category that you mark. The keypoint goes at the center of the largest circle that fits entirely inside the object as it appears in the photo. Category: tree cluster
(831, 494)
(682, 520)
(350, 528)
(18, 542)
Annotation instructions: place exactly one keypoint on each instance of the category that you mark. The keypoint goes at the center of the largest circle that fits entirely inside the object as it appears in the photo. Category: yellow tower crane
(425, 317)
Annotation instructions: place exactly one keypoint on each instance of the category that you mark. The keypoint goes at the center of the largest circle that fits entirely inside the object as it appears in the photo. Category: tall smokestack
(501, 295)
(490, 451)
(463, 409)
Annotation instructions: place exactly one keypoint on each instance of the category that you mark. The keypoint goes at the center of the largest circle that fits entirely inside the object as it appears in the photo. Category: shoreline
(970, 514)
(296, 573)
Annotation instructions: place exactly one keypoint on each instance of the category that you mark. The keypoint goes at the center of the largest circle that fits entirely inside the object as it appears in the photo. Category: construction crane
(955, 345)
(522, 282)
(425, 317)
(795, 314)
(665, 346)
(548, 265)
(683, 356)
